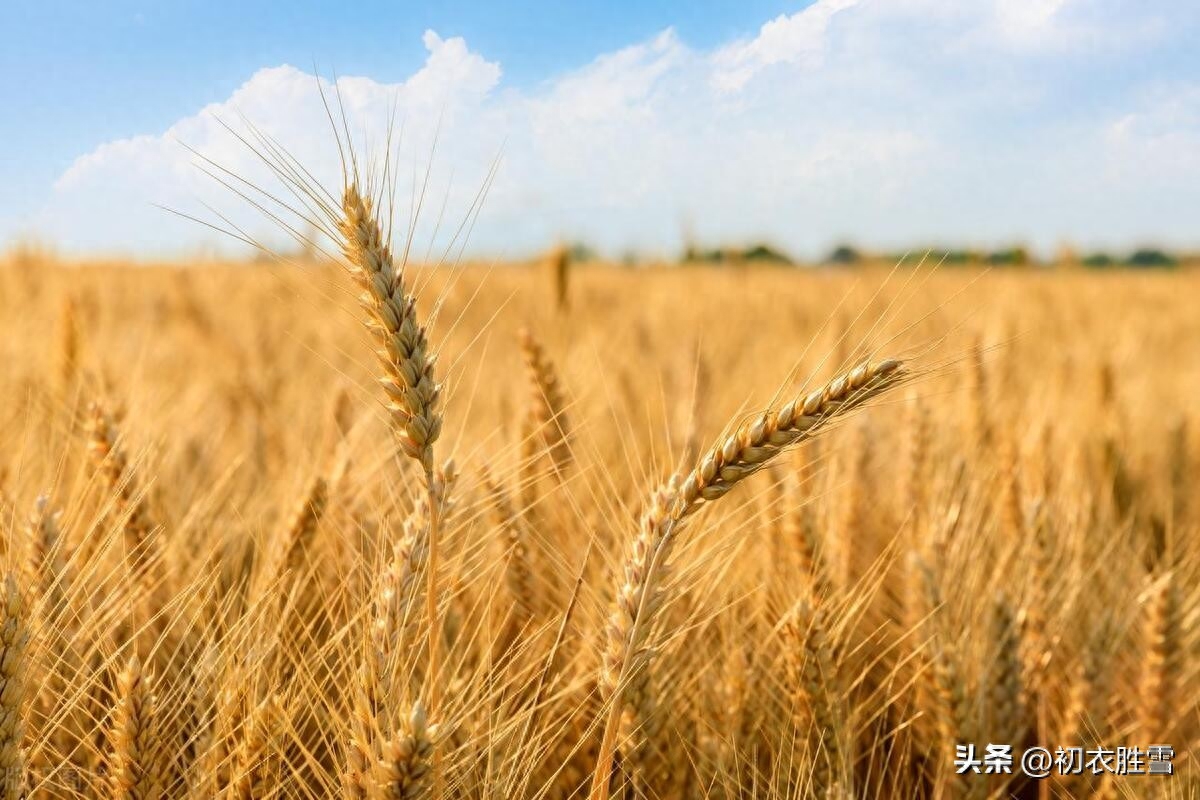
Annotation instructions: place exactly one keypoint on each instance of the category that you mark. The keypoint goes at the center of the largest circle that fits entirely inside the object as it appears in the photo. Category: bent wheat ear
(408, 379)
(752, 445)
(740, 454)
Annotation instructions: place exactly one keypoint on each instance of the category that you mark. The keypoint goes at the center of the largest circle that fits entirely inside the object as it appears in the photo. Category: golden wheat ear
(14, 645)
(624, 675)
(138, 768)
(413, 393)
(547, 416)
(404, 764)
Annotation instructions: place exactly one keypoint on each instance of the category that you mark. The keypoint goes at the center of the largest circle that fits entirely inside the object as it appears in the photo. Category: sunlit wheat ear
(1162, 659)
(413, 393)
(398, 590)
(388, 641)
(547, 407)
(404, 764)
(744, 451)
(135, 762)
(357, 773)
(14, 644)
(111, 463)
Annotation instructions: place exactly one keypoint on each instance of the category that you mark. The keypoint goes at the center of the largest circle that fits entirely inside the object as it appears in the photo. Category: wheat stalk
(412, 390)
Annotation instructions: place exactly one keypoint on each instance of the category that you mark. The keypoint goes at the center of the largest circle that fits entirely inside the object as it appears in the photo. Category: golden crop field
(911, 510)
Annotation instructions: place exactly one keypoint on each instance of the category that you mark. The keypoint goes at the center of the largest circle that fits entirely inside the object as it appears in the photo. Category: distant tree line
(1016, 256)
(845, 255)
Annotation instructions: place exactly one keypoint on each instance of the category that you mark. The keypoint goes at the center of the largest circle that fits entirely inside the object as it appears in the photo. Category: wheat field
(246, 557)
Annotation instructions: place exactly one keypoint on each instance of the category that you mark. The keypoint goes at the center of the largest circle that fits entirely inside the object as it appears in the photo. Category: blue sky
(82, 73)
(889, 122)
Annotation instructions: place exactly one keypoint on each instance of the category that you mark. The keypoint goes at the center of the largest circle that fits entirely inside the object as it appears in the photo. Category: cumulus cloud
(884, 121)
(798, 39)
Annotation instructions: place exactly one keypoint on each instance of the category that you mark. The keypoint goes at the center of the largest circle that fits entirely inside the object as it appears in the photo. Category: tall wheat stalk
(413, 392)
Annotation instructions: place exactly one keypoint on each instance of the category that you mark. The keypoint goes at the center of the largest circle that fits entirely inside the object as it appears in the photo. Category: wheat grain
(404, 763)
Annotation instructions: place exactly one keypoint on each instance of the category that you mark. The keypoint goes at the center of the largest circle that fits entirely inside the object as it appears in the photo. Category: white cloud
(886, 121)
(797, 39)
